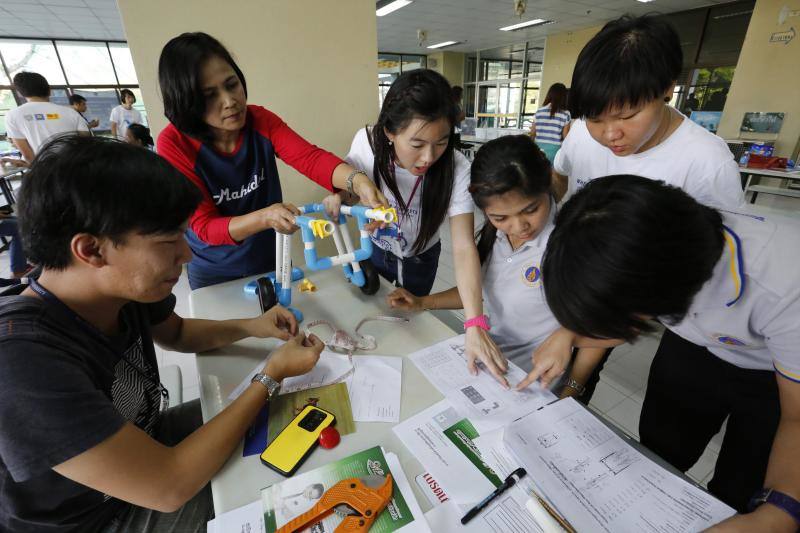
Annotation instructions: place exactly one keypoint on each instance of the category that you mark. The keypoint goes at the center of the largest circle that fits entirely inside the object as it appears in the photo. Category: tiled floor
(623, 382)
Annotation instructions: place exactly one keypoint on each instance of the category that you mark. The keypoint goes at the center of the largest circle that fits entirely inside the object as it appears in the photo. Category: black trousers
(690, 392)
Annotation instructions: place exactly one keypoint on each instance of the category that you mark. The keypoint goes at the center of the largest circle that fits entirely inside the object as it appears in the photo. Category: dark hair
(179, 78)
(423, 94)
(625, 249)
(104, 187)
(633, 60)
(126, 92)
(458, 92)
(557, 98)
(76, 99)
(510, 163)
(142, 134)
(31, 84)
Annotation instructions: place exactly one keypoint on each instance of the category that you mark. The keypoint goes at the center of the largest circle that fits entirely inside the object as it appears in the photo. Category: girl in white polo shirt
(727, 288)
(410, 155)
(510, 182)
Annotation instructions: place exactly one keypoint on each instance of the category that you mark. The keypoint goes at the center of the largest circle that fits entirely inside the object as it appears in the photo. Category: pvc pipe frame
(346, 256)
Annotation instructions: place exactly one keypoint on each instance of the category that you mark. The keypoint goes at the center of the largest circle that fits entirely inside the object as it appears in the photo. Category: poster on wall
(707, 119)
(762, 122)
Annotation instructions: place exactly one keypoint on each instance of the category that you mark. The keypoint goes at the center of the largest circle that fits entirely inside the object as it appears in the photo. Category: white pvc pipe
(286, 280)
(278, 257)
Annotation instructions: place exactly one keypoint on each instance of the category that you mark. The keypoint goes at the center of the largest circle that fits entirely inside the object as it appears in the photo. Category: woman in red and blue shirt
(228, 148)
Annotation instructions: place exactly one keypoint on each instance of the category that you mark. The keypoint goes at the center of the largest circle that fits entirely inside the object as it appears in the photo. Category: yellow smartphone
(297, 440)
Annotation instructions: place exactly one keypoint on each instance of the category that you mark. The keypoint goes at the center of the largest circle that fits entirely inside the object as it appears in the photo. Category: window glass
(59, 96)
(33, 56)
(724, 35)
(86, 63)
(99, 103)
(412, 62)
(3, 78)
(123, 63)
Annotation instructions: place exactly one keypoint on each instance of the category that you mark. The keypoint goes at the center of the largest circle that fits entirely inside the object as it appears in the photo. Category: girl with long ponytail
(409, 153)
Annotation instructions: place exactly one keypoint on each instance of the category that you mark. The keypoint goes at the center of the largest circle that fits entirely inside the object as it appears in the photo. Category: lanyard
(403, 215)
(88, 328)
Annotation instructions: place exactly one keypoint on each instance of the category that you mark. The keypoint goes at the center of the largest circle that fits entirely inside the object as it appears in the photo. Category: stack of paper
(374, 383)
(444, 442)
(599, 482)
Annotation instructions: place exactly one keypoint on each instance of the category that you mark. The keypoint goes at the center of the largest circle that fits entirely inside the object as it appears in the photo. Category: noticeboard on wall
(762, 122)
(707, 119)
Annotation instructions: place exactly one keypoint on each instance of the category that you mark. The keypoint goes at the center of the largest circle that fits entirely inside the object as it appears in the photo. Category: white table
(756, 188)
(240, 480)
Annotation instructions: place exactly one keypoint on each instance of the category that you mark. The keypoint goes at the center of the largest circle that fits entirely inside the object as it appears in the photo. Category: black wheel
(266, 294)
(372, 283)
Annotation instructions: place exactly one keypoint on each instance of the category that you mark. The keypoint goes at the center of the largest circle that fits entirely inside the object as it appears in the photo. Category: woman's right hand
(402, 299)
(280, 217)
(295, 358)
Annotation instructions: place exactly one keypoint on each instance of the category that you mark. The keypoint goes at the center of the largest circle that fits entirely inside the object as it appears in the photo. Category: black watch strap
(780, 500)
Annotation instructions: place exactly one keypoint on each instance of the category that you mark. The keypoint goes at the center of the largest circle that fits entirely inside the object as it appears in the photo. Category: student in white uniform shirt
(511, 182)
(36, 121)
(410, 154)
(727, 288)
(622, 83)
(124, 115)
(621, 88)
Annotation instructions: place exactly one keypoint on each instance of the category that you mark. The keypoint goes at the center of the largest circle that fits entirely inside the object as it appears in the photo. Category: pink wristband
(481, 321)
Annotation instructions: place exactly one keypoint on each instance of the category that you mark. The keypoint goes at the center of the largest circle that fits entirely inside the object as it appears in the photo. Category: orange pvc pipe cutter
(358, 500)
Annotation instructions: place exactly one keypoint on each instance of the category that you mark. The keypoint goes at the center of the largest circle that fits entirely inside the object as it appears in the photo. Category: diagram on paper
(480, 398)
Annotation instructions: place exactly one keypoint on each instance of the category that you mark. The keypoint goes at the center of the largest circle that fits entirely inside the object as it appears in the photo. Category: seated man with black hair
(38, 120)
(727, 288)
(86, 443)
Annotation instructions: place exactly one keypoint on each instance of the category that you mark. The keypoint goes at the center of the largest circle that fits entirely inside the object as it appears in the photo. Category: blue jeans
(8, 228)
(419, 271)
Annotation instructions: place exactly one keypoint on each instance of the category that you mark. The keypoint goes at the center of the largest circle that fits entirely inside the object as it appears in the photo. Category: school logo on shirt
(728, 340)
(532, 276)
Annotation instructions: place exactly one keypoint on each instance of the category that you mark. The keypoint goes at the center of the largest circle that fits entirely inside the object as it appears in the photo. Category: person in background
(16, 254)
(510, 181)
(139, 135)
(36, 121)
(124, 114)
(78, 103)
(551, 121)
(228, 149)
(458, 95)
(692, 104)
(410, 154)
(727, 288)
(89, 442)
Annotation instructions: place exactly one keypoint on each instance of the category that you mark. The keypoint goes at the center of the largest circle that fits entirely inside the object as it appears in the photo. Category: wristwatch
(574, 385)
(780, 500)
(272, 386)
(349, 181)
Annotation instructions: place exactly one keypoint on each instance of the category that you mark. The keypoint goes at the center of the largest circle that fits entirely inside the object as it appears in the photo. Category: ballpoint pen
(510, 481)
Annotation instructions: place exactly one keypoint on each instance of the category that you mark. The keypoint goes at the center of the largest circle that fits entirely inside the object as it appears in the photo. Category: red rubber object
(329, 438)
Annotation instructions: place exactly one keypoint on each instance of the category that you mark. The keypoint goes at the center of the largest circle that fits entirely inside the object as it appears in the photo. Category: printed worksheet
(375, 388)
(480, 398)
(443, 442)
(599, 482)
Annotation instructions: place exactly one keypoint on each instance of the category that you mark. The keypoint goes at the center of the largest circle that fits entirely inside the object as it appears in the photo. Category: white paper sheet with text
(245, 519)
(480, 398)
(375, 388)
(599, 482)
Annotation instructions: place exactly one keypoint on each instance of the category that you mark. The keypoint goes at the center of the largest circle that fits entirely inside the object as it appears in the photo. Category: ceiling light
(389, 7)
(443, 44)
(519, 26)
(384, 75)
(645, 1)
